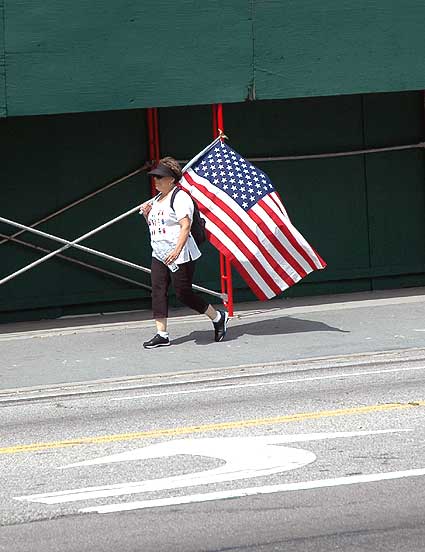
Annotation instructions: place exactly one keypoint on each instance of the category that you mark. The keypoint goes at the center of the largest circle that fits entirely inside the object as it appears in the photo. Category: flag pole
(203, 152)
(225, 264)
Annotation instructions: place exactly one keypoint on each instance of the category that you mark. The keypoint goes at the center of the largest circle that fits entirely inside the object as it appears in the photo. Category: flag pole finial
(221, 135)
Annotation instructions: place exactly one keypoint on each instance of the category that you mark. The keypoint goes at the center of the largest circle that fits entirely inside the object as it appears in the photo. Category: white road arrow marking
(245, 458)
(251, 491)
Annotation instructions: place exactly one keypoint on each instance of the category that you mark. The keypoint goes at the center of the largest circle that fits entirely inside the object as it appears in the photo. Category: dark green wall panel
(396, 212)
(295, 127)
(311, 48)
(184, 131)
(2, 63)
(364, 214)
(326, 200)
(51, 162)
(395, 183)
(393, 119)
(86, 56)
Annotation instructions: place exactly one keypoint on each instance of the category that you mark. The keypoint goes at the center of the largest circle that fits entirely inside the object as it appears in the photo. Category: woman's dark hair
(173, 165)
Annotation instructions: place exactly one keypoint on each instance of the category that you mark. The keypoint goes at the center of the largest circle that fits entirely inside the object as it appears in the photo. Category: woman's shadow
(274, 326)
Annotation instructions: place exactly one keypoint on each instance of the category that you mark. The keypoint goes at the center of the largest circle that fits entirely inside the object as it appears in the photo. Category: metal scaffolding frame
(14, 238)
(76, 243)
(50, 216)
(419, 145)
(75, 261)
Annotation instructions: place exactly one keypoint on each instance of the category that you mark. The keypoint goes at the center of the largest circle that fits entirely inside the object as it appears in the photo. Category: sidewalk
(81, 349)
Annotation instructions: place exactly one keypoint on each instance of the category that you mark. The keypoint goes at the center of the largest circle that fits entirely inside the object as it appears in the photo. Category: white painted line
(244, 457)
(231, 387)
(252, 491)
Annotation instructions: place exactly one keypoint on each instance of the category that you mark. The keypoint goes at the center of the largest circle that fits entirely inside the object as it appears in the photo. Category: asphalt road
(310, 458)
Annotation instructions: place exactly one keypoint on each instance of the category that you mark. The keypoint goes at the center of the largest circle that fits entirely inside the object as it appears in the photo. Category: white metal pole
(75, 203)
(86, 249)
(200, 154)
(68, 244)
(74, 261)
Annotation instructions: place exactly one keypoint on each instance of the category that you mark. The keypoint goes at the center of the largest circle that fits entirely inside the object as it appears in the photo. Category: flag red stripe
(274, 263)
(251, 258)
(246, 230)
(277, 243)
(239, 267)
(276, 199)
(320, 263)
(290, 237)
(323, 264)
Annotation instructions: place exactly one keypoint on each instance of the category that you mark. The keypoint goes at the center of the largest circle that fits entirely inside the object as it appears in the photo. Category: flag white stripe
(289, 269)
(227, 242)
(279, 202)
(263, 240)
(249, 244)
(211, 206)
(281, 237)
(297, 235)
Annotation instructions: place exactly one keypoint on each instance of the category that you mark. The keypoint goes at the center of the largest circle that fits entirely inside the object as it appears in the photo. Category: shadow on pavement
(276, 326)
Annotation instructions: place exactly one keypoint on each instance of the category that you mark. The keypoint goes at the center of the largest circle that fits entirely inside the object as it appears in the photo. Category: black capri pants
(182, 280)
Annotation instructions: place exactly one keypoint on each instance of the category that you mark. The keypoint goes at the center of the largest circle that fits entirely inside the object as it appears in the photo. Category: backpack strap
(154, 198)
(173, 196)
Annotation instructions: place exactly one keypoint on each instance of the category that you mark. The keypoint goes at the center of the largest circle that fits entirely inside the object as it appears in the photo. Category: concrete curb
(149, 381)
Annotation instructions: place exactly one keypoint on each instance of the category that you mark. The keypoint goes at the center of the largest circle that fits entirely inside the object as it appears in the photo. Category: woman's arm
(185, 224)
(145, 208)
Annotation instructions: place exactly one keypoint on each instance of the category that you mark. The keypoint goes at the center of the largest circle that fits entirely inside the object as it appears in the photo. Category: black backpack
(198, 223)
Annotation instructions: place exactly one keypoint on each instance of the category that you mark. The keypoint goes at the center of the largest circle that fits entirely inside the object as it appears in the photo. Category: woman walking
(174, 253)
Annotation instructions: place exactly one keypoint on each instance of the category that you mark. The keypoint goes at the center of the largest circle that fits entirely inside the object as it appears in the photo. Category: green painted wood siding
(2, 63)
(326, 47)
(97, 55)
(102, 54)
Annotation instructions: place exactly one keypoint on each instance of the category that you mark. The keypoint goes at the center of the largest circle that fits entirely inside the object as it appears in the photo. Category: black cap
(161, 170)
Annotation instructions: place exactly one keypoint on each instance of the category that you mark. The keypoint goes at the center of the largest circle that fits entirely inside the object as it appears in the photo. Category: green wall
(51, 162)
(103, 55)
(2, 64)
(317, 48)
(365, 214)
(97, 55)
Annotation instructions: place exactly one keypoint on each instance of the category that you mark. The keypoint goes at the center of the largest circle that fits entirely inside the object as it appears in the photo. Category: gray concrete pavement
(100, 347)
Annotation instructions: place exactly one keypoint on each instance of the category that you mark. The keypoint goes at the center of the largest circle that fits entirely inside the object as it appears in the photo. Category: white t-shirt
(165, 228)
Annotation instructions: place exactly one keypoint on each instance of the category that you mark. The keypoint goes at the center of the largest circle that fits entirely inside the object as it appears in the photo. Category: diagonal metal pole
(75, 261)
(77, 202)
(75, 244)
(67, 243)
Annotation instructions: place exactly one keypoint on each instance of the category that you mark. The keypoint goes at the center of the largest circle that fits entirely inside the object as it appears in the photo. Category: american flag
(247, 222)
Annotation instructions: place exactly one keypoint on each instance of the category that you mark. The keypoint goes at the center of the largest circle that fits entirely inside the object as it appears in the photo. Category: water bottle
(173, 266)
(163, 250)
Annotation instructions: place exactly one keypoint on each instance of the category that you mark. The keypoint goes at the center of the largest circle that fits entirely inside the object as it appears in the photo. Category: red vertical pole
(225, 264)
(214, 120)
(153, 133)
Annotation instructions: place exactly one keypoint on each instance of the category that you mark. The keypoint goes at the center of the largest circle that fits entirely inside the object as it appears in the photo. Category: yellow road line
(173, 432)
